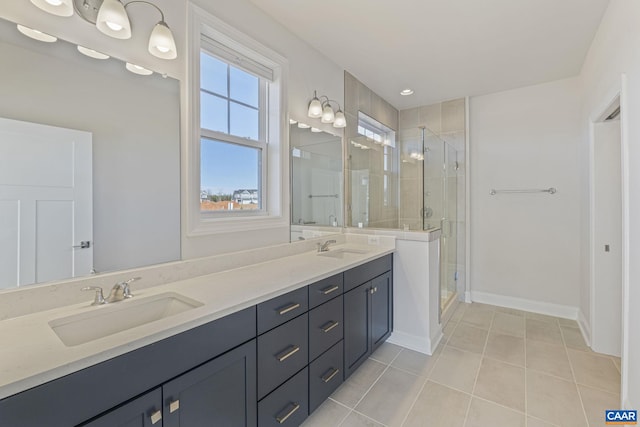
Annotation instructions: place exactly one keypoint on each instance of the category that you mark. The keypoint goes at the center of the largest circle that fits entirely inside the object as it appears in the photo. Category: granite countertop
(32, 354)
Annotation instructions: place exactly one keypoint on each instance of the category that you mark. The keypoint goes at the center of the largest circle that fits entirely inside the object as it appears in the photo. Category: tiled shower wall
(367, 165)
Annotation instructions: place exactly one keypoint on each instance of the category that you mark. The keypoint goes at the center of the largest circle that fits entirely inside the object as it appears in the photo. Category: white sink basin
(120, 316)
(342, 252)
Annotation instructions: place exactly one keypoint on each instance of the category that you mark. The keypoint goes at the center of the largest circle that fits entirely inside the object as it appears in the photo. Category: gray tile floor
(495, 367)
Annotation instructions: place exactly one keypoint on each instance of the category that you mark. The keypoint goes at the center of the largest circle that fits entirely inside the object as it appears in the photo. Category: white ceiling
(445, 49)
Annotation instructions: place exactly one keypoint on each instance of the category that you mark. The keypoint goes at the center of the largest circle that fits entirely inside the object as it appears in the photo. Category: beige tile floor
(494, 367)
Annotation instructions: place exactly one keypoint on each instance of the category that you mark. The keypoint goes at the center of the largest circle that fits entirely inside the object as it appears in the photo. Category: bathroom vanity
(268, 357)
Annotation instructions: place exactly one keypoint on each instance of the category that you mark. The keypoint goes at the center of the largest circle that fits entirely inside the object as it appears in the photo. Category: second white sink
(116, 317)
(342, 252)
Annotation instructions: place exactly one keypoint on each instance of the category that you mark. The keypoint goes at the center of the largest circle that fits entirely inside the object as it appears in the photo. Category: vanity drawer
(326, 289)
(281, 353)
(365, 272)
(325, 376)
(288, 405)
(278, 310)
(325, 327)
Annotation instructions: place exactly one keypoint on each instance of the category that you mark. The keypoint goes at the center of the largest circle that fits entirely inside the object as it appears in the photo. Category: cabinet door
(381, 310)
(357, 320)
(221, 392)
(145, 411)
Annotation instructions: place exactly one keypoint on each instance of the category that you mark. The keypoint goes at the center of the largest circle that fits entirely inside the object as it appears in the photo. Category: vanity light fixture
(316, 130)
(112, 19)
(55, 7)
(406, 92)
(137, 69)
(322, 109)
(303, 125)
(36, 35)
(92, 53)
(292, 122)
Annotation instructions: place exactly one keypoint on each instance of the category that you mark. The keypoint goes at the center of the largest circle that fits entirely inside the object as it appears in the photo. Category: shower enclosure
(409, 181)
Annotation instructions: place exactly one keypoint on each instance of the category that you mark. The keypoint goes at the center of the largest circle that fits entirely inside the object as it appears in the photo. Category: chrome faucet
(324, 247)
(121, 290)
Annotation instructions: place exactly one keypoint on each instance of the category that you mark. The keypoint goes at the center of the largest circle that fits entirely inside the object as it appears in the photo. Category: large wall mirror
(49, 93)
(316, 182)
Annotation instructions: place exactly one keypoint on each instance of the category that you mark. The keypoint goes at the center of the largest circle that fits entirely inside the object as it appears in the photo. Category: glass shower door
(448, 224)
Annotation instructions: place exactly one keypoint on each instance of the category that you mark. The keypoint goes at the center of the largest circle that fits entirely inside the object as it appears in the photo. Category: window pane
(244, 87)
(244, 121)
(229, 176)
(213, 74)
(213, 112)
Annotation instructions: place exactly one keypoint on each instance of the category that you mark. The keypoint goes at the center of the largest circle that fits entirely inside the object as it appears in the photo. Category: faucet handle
(126, 289)
(99, 298)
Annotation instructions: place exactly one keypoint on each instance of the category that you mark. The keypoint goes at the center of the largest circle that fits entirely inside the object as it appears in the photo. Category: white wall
(615, 51)
(525, 247)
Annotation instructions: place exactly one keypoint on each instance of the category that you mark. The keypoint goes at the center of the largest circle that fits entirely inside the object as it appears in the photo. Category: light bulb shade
(137, 69)
(113, 20)
(55, 7)
(36, 34)
(161, 43)
(340, 121)
(92, 53)
(315, 108)
(328, 116)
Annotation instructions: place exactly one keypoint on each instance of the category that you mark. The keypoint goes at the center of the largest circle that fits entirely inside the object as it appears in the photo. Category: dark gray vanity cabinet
(220, 392)
(368, 311)
(267, 365)
(144, 411)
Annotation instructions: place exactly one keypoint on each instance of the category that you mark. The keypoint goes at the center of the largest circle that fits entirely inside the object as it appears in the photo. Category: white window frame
(274, 211)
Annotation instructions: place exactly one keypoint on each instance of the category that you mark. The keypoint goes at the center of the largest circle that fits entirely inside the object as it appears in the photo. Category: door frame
(618, 91)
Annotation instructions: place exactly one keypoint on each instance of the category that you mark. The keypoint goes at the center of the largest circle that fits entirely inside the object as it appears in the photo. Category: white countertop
(32, 354)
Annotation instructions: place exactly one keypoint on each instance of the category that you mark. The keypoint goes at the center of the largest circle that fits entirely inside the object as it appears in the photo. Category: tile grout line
(475, 382)
(404, 420)
(573, 374)
(386, 368)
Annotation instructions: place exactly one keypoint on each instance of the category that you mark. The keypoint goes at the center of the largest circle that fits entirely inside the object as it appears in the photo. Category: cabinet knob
(375, 289)
(282, 418)
(371, 291)
(155, 417)
(174, 406)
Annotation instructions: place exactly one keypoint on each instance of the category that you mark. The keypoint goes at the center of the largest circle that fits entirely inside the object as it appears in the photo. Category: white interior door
(607, 252)
(46, 209)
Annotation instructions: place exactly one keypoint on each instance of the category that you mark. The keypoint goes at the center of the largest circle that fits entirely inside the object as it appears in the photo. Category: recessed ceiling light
(36, 35)
(303, 125)
(136, 69)
(406, 92)
(92, 53)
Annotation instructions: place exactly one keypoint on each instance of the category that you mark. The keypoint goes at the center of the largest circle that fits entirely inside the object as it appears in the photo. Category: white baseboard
(585, 328)
(467, 297)
(550, 309)
(413, 342)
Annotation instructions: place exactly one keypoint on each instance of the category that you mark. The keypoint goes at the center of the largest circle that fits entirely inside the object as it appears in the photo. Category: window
(232, 136)
(235, 171)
